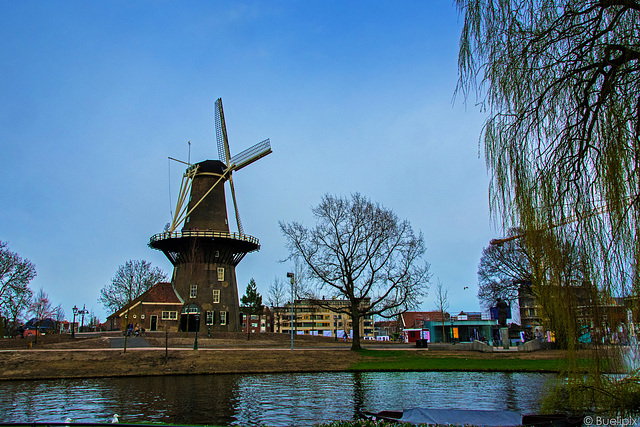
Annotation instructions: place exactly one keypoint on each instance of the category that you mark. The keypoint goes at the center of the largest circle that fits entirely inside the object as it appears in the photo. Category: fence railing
(201, 233)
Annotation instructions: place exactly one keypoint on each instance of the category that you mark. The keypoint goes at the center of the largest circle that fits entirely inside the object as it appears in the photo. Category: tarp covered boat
(474, 418)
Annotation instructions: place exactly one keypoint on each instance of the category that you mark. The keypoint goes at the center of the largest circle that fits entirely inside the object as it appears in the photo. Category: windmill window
(193, 292)
(220, 274)
(210, 317)
(216, 296)
(223, 317)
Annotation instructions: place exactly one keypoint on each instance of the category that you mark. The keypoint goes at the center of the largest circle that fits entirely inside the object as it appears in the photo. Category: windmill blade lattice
(251, 155)
(235, 206)
(221, 133)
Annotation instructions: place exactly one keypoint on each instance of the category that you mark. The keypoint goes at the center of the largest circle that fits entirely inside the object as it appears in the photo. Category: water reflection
(267, 399)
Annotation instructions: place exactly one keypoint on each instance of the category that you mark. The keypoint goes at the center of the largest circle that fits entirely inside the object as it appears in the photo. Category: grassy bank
(383, 360)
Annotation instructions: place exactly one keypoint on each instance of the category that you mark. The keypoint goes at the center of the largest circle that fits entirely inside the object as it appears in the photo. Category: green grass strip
(419, 361)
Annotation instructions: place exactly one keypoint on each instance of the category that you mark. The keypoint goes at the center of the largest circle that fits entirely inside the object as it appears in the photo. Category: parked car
(31, 333)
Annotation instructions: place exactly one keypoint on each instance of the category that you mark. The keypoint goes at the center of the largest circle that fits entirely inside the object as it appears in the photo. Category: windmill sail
(251, 154)
(221, 133)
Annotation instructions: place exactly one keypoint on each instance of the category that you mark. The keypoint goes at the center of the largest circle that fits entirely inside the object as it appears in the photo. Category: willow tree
(560, 81)
(362, 252)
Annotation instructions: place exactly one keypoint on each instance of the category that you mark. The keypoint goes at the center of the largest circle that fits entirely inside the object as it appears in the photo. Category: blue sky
(355, 97)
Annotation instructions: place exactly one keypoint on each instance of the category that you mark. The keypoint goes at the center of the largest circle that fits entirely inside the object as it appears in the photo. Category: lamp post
(197, 320)
(83, 312)
(73, 325)
(292, 277)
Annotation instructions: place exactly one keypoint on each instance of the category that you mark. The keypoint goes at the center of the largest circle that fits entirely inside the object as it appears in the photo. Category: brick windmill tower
(199, 244)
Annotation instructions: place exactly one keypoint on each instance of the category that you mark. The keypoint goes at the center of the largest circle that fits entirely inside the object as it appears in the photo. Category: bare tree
(58, 315)
(15, 275)
(277, 295)
(502, 269)
(18, 301)
(132, 279)
(442, 304)
(359, 250)
(94, 320)
(40, 309)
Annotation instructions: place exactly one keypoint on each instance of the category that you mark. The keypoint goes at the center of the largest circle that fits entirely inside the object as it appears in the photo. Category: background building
(256, 322)
(311, 319)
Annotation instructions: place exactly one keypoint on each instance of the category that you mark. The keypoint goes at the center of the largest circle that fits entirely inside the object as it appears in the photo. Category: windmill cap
(215, 166)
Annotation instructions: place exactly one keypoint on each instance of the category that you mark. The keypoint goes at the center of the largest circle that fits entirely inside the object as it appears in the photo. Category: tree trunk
(355, 327)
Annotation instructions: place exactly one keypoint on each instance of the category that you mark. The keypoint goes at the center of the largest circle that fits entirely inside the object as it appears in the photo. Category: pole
(73, 325)
(291, 276)
(83, 312)
(126, 330)
(166, 344)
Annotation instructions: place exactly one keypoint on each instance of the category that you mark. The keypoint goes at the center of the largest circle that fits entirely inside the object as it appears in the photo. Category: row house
(256, 323)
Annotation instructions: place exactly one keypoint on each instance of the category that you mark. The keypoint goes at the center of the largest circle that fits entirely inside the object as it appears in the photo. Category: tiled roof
(416, 319)
(161, 292)
(385, 323)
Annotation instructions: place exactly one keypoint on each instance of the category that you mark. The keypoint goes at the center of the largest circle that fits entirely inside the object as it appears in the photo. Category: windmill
(199, 243)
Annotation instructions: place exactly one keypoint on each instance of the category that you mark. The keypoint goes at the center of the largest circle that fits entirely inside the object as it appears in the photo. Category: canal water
(265, 399)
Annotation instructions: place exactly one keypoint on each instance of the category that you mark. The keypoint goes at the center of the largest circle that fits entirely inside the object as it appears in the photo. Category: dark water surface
(265, 399)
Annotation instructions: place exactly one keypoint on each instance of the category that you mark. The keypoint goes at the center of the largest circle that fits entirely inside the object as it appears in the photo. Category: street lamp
(292, 277)
(83, 312)
(73, 325)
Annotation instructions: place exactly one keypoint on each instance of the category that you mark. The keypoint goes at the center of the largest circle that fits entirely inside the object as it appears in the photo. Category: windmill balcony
(204, 233)
(213, 246)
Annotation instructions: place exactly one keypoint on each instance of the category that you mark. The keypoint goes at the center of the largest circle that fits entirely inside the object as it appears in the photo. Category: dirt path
(102, 356)
(101, 363)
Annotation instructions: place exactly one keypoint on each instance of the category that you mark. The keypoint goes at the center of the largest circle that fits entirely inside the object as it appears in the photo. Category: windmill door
(190, 318)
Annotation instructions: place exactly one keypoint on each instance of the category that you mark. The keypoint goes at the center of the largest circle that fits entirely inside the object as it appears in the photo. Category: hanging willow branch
(561, 84)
